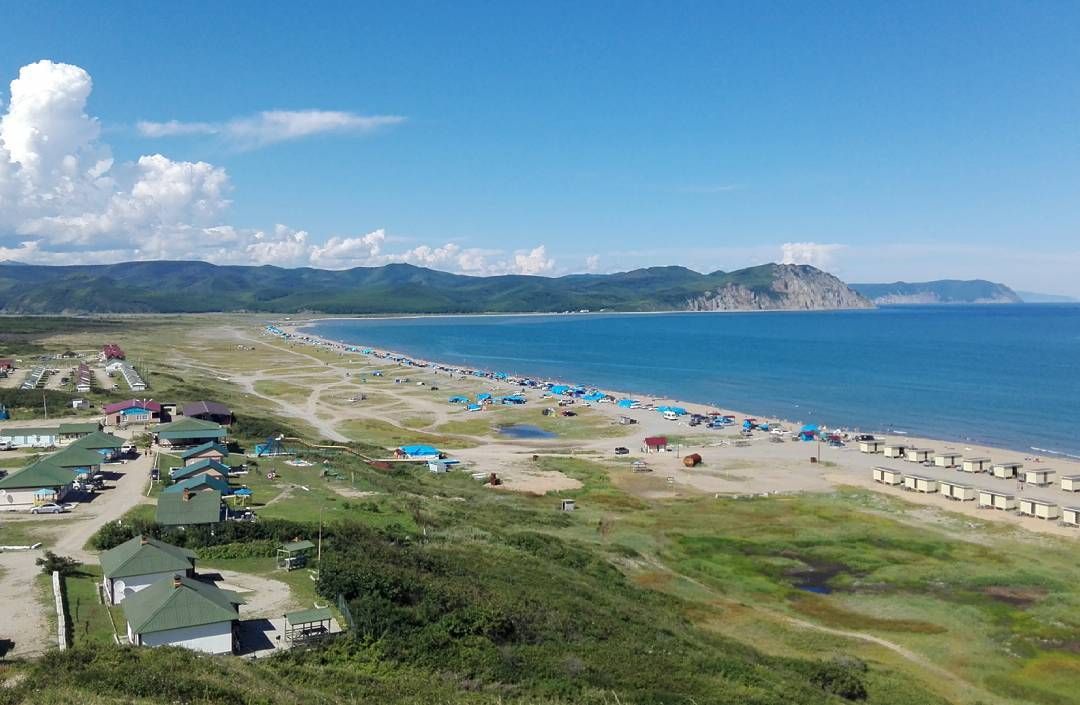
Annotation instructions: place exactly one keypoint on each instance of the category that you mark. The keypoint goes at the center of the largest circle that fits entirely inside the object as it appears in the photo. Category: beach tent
(483, 396)
(810, 428)
(560, 388)
(500, 375)
(474, 407)
(513, 399)
(625, 403)
(459, 400)
(594, 396)
(418, 451)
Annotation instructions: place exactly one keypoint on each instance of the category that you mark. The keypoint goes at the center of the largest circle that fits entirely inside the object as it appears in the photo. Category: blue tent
(513, 399)
(419, 451)
(625, 403)
(483, 396)
(810, 428)
(459, 400)
(560, 388)
(595, 396)
(243, 492)
(500, 375)
(473, 407)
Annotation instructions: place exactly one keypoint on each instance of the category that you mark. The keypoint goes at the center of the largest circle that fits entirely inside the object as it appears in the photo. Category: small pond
(524, 430)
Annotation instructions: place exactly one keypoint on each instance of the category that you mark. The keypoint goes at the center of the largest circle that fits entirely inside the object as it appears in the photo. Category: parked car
(50, 508)
(622, 451)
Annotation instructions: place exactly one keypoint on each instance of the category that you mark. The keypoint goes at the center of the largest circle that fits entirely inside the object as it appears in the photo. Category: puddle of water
(523, 430)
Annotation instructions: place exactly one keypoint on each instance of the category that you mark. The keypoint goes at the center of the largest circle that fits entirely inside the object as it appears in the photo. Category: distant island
(1031, 297)
(194, 287)
(942, 291)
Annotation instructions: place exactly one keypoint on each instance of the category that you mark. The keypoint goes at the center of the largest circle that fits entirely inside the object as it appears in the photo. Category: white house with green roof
(30, 437)
(36, 484)
(182, 611)
(140, 562)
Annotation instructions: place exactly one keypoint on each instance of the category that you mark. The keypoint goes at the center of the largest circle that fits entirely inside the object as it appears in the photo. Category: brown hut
(692, 460)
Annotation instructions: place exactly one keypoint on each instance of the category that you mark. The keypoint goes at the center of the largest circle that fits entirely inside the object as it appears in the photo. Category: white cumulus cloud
(820, 255)
(64, 199)
(272, 126)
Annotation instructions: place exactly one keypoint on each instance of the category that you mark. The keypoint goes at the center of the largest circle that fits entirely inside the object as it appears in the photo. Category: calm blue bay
(1002, 375)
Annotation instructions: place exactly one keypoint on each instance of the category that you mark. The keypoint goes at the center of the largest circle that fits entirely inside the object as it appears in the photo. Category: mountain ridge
(166, 286)
(940, 291)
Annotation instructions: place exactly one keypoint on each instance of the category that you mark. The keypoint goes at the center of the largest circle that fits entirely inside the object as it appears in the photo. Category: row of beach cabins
(962, 492)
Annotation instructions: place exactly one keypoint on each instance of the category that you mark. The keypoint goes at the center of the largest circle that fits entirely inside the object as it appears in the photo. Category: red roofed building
(112, 351)
(655, 443)
(132, 411)
(7, 364)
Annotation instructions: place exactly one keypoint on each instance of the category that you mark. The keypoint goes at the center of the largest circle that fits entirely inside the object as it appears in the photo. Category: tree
(51, 562)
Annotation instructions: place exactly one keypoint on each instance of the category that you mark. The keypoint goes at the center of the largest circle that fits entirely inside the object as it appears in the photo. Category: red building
(112, 351)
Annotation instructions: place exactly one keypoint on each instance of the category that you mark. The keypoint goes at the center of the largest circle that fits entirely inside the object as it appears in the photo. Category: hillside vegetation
(187, 287)
(943, 291)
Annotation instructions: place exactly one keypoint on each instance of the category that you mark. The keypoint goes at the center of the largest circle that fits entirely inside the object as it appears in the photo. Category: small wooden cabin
(1040, 477)
(989, 499)
(975, 464)
(919, 455)
(919, 483)
(888, 477)
(1070, 516)
(895, 450)
(1070, 483)
(871, 446)
(948, 460)
(1006, 471)
(1039, 508)
(958, 491)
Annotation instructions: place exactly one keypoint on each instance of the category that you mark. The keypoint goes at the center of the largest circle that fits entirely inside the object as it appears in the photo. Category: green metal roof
(199, 482)
(28, 431)
(144, 555)
(192, 603)
(319, 614)
(298, 546)
(189, 428)
(73, 428)
(200, 466)
(200, 508)
(40, 474)
(192, 452)
(99, 440)
(72, 457)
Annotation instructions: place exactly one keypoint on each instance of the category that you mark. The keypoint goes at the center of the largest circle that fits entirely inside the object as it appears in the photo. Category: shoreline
(1030, 454)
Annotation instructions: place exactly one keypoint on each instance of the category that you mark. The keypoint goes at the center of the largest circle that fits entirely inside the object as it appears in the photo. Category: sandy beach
(733, 465)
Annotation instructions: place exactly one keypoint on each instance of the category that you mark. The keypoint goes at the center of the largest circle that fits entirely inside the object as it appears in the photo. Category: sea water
(1003, 375)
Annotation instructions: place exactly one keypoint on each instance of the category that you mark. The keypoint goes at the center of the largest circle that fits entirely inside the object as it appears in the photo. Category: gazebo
(294, 554)
(307, 625)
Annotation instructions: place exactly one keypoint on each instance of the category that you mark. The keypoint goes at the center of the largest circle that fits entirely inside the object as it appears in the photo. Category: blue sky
(880, 141)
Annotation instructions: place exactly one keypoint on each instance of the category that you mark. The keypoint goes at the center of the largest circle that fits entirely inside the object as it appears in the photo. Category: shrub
(51, 563)
(841, 676)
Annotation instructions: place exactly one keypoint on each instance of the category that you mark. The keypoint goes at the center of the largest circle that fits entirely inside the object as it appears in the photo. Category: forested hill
(189, 287)
(942, 291)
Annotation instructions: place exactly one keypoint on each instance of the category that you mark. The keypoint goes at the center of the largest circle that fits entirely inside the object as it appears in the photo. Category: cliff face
(793, 287)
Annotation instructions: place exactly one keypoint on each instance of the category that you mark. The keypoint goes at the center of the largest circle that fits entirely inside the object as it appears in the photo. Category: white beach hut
(1070, 516)
(1006, 471)
(871, 446)
(919, 455)
(920, 483)
(1070, 483)
(888, 477)
(948, 460)
(1040, 477)
(895, 450)
(1039, 508)
(989, 499)
(958, 491)
(975, 464)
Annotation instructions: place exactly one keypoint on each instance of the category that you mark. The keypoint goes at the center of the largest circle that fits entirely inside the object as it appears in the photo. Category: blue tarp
(459, 400)
(419, 451)
(595, 396)
(560, 388)
(625, 403)
(483, 396)
(810, 428)
(473, 407)
(678, 410)
(243, 492)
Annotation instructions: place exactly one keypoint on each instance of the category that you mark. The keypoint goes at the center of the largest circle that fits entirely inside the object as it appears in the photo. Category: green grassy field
(88, 617)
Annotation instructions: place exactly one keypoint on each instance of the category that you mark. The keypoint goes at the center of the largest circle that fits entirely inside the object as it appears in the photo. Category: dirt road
(24, 617)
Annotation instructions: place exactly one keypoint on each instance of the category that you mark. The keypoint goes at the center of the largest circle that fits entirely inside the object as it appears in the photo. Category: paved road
(23, 618)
